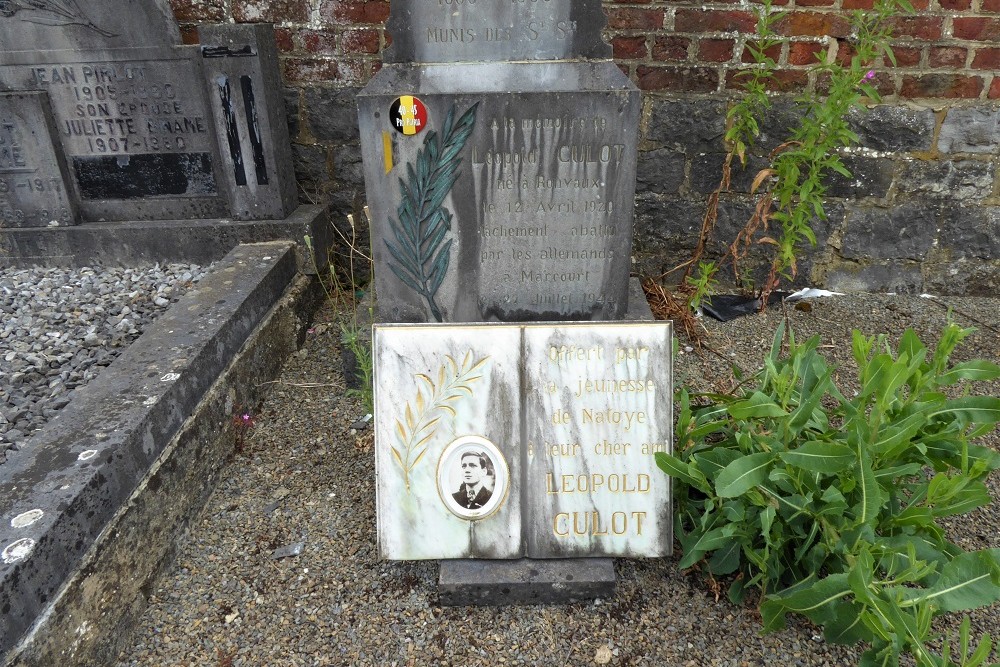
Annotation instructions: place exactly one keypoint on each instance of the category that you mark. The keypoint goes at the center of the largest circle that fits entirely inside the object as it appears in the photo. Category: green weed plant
(829, 504)
(792, 189)
(345, 294)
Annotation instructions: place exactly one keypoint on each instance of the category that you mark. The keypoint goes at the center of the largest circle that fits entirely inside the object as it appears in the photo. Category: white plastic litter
(810, 293)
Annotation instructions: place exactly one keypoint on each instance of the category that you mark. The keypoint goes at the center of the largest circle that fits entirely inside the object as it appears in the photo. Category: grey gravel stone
(55, 332)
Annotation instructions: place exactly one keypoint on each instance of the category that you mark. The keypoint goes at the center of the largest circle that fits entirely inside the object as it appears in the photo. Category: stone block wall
(921, 212)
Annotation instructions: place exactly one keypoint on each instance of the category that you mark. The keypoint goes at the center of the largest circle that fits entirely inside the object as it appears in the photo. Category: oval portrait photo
(472, 477)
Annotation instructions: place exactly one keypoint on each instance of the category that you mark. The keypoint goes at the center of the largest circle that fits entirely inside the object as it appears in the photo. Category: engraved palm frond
(50, 12)
(420, 250)
(422, 416)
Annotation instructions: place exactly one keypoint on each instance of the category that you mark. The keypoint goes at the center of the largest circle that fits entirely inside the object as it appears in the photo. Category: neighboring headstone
(503, 441)
(500, 190)
(134, 115)
(241, 66)
(34, 188)
(135, 127)
(85, 25)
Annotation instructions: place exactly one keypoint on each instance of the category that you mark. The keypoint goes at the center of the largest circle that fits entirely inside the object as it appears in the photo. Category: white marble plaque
(537, 440)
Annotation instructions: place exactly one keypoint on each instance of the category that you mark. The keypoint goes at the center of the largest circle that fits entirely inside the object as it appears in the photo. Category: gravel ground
(305, 477)
(61, 326)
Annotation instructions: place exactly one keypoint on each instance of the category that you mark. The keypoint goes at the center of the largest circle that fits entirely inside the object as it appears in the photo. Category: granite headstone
(502, 441)
(241, 65)
(35, 190)
(499, 164)
(133, 113)
(86, 25)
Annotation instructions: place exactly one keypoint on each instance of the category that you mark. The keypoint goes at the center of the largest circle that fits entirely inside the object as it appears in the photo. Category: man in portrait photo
(477, 481)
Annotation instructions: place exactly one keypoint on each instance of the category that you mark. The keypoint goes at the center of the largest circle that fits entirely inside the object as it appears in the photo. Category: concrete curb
(75, 563)
(146, 242)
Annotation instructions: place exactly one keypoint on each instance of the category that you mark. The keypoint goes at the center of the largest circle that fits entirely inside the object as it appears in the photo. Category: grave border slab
(137, 418)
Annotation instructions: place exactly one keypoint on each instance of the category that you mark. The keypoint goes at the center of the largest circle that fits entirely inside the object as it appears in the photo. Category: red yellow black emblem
(408, 115)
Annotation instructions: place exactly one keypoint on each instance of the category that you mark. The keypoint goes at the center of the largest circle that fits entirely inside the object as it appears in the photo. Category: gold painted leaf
(464, 388)
(420, 402)
(474, 378)
(417, 460)
(431, 423)
(452, 363)
(452, 397)
(424, 439)
(410, 421)
(430, 383)
(450, 409)
(479, 364)
(466, 360)
(441, 376)
(397, 456)
(401, 430)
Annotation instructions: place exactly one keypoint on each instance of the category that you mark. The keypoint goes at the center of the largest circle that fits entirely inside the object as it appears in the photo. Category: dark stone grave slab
(34, 188)
(241, 67)
(150, 241)
(525, 581)
(58, 495)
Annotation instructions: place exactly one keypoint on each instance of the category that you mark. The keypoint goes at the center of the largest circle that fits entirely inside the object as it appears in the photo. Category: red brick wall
(321, 41)
(949, 49)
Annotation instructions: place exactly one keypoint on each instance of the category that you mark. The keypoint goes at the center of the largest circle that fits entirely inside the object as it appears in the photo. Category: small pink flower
(869, 76)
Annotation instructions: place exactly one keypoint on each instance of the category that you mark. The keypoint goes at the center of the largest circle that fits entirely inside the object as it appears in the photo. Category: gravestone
(147, 128)
(499, 163)
(500, 441)
(35, 190)
(241, 64)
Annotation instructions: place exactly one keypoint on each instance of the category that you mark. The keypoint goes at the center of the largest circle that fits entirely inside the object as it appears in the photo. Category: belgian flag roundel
(408, 115)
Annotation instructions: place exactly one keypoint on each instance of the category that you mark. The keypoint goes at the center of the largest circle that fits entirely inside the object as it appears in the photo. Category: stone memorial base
(526, 581)
(146, 242)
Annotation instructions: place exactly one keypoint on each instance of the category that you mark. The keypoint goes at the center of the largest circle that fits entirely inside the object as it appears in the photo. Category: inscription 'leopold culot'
(596, 482)
(565, 524)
